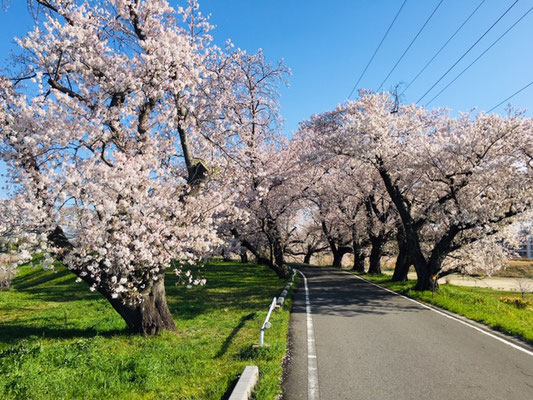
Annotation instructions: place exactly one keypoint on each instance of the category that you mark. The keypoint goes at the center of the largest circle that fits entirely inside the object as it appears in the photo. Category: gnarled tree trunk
(358, 258)
(151, 315)
(401, 268)
(277, 262)
(376, 252)
(147, 317)
(411, 228)
(338, 255)
(403, 263)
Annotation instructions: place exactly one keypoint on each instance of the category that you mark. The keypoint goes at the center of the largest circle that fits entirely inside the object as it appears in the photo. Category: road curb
(246, 383)
(284, 293)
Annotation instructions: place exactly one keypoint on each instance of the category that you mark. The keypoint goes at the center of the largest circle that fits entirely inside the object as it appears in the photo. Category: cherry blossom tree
(308, 239)
(453, 181)
(328, 215)
(272, 203)
(265, 167)
(112, 126)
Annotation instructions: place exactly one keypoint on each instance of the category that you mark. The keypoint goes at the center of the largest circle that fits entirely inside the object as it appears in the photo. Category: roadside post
(266, 324)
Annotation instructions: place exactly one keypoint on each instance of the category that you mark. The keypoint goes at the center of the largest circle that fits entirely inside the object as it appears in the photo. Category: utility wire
(511, 96)
(481, 55)
(379, 45)
(466, 52)
(410, 44)
(443, 46)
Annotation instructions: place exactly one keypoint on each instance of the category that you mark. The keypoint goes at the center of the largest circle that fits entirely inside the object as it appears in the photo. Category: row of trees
(439, 193)
(135, 145)
(445, 189)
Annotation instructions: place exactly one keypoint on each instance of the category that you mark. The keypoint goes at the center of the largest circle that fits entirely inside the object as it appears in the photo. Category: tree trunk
(226, 255)
(359, 263)
(411, 229)
(425, 281)
(277, 259)
(151, 315)
(358, 258)
(259, 258)
(337, 258)
(307, 257)
(401, 269)
(244, 256)
(375, 255)
(278, 264)
(403, 263)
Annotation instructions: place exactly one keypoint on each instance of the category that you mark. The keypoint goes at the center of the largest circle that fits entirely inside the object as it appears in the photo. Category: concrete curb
(245, 384)
(281, 298)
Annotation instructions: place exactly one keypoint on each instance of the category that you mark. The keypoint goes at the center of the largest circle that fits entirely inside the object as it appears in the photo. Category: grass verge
(60, 341)
(518, 268)
(490, 307)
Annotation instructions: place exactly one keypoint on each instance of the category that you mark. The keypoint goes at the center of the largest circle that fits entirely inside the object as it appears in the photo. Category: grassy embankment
(60, 341)
(491, 307)
(517, 268)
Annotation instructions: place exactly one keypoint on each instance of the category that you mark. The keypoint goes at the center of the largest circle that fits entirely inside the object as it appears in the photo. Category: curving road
(372, 344)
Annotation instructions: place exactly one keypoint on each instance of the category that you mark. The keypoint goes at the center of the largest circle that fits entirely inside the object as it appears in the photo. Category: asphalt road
(371, 344)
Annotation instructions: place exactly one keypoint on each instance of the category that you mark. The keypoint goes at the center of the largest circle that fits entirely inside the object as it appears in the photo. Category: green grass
(60, 341)
(479, 304)
(518, 268)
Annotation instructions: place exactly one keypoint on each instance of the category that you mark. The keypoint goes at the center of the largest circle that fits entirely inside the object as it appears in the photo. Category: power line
(481, 55)
(410, 44)
(466, 52)
(511, 96)
(443, 46)
(379, 45)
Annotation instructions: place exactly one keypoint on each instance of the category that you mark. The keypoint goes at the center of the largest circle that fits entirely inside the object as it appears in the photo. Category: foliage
(60, 341)
(518, 302)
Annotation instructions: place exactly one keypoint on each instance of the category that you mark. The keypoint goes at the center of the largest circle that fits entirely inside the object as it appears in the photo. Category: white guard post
(266, 324)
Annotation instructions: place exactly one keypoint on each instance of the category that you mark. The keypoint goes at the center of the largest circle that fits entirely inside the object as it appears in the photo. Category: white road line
(312, 366)
(450, 317)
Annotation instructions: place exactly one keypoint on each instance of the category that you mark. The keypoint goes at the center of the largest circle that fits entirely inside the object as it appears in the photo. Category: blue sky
(328, 43)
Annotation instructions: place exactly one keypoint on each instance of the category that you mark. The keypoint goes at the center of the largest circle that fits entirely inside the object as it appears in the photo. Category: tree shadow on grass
(64, 293)
(233, 333)
(40, 277)
(56, 286)
(246, 288)
(13, 333)
(243, 300)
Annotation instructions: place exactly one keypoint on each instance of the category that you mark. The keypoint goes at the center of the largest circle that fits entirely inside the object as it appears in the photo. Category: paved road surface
(371, 344)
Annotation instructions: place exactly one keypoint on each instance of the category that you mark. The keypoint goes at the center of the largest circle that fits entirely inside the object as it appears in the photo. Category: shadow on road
(333, 292)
